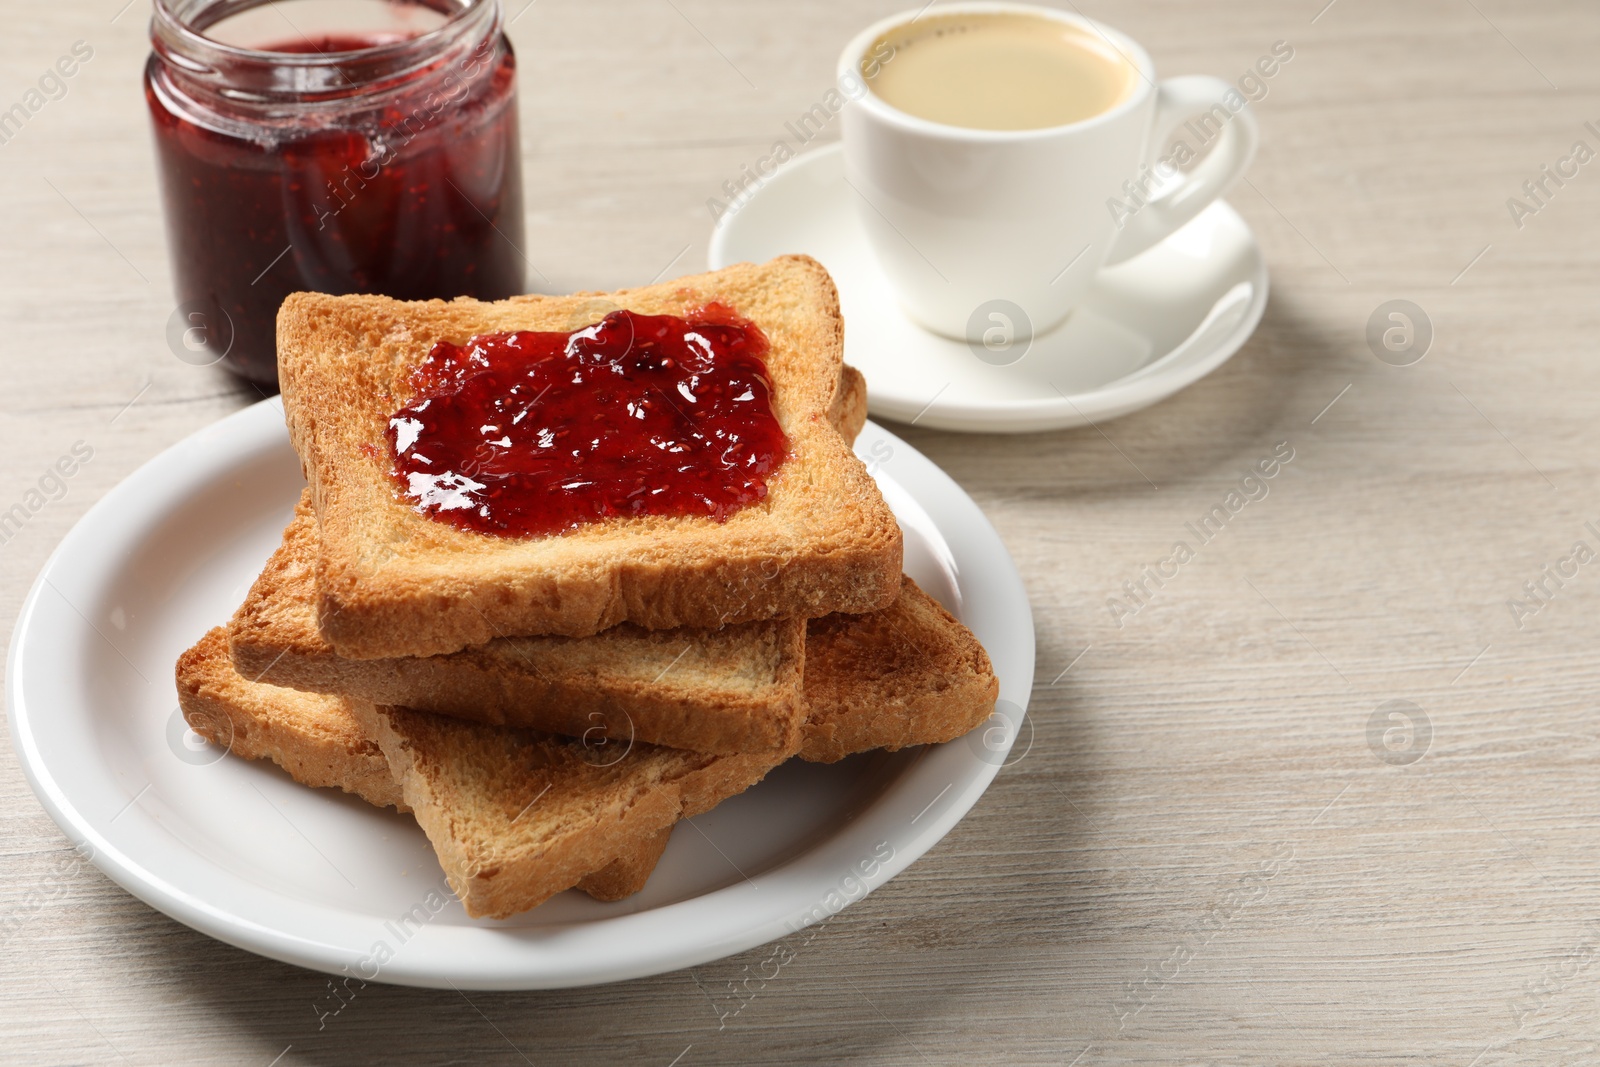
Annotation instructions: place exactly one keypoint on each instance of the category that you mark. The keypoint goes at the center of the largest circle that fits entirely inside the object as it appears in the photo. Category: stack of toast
(548, 707)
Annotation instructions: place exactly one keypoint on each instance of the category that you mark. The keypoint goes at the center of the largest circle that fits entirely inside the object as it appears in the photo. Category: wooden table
(1226, 844)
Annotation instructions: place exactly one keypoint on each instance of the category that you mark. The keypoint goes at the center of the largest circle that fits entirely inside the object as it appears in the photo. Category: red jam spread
(528, 434)
(409, 187)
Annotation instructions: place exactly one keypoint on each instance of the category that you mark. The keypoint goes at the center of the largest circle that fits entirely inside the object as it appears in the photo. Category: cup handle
(1177, 101)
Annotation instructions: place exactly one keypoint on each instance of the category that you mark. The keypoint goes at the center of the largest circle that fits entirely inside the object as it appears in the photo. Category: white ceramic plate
(1150, 326)
(239, 851)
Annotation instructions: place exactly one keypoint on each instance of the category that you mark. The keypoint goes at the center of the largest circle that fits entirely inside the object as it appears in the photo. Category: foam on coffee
(998, 71)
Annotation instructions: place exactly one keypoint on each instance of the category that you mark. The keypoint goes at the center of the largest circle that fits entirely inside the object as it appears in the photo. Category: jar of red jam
(342, 146)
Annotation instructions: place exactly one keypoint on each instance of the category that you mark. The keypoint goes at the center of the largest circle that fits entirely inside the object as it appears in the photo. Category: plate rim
(255, 430)
(1122, 396)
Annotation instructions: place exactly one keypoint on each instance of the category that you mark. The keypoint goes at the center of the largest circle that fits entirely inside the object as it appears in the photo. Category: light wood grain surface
(1202, 858)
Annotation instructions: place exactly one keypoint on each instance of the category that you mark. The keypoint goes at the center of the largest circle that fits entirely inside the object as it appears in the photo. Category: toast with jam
(735, 689)
(663, 456)
(570, 569)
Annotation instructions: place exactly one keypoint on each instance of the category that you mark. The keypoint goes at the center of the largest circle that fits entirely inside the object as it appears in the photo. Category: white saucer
(1150, 326)
(315, 877)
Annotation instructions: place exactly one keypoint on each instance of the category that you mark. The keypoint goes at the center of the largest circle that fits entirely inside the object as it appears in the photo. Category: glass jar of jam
(342, 146)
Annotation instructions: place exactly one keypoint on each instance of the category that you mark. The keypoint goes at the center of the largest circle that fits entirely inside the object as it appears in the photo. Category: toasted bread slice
(320, 741)
(519, 815)
(736, 689)
(315, 739)
(394, 582)
(907, 675)
(910, 674)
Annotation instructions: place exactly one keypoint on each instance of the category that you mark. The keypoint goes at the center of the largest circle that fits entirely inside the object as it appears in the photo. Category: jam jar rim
(242, 75)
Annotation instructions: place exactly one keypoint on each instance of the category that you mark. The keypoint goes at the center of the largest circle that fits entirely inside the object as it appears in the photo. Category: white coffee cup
(987, 233)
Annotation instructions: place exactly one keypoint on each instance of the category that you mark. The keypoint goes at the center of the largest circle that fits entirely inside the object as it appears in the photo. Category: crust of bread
(517, 816)
(628, 873)
(394, 582)
(848, 412)
(321, 742)
(313, 737)
(731, 690)
(907, 675)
